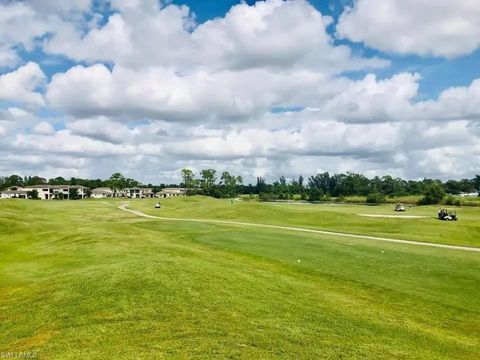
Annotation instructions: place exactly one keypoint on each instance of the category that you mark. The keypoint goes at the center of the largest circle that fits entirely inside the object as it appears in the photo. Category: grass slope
(86, 280)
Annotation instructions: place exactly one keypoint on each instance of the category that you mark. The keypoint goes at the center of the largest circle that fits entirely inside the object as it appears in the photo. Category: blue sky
(264, 88)
(437, 73)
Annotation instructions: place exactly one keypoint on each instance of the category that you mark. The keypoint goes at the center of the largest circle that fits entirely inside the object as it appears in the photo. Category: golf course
(208, 278)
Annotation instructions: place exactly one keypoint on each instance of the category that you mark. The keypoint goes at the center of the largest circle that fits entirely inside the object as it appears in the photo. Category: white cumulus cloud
(440, 27)
(21, 85)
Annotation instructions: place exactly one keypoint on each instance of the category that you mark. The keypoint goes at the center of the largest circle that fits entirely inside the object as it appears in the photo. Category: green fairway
(83, 279)
(334, 217)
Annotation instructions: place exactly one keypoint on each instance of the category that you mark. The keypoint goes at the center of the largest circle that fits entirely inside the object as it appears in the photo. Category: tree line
(323, 186)
(317, 187)
(211, 184)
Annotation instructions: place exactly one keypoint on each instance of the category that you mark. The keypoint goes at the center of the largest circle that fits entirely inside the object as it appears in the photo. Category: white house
(102, 192)
(49, 192)
(45, 192)
(475, 194)
(170, 192)
(14, 192)
(139, 193)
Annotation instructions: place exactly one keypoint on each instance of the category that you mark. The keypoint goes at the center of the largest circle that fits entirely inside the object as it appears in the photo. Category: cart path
(299, 229)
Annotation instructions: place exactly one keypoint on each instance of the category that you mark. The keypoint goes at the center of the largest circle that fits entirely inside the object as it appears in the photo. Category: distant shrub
(315, 194)
(217, 194)
(470, 202)
(33, 194)
(452, 200)
(354, 199)
(449, 200)
(409, 199)
(268, 197)
(433, 194)
(376, 198)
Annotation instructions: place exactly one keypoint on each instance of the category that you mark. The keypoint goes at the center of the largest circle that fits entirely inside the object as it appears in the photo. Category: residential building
(102, 192)
(14, 192)
(170, 192)
(46, 192)
(139, 193)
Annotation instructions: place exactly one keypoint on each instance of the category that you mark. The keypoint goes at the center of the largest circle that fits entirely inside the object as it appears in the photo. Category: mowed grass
(86, 280)
(333, 217)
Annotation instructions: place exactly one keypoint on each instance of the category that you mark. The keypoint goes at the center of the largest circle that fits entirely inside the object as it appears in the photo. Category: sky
(259, 88)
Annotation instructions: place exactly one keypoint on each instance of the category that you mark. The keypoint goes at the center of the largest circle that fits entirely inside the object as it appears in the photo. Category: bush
(452, 200)
(33, 194)
(408, 199)
(72, 194)
(433, 194)
(268, 197)
(315, 194)
(449, 200)
(217, 194)
(353, 199)
(376, 198)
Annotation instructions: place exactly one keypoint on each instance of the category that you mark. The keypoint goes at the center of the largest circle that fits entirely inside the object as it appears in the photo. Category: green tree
(376, 198)
(73, 193)
(231, 183)
(34, 180)
(209, 177)
(117, 182)
(433, 193)
(129, 183)
(14, 180)
(33, 194)
(315, 194)
(476, 183)
(239, 185)
(188, 180)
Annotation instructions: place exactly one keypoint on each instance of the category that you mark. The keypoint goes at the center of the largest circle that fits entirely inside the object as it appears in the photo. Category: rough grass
(86, 280)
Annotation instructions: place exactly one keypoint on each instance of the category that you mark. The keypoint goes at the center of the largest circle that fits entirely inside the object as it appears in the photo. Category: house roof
(173, 190)
(15, 192)
(13, 188)
(56, 187)
(102, 190)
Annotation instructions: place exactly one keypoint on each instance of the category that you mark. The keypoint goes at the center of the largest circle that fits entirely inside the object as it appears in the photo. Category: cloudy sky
(266, 88)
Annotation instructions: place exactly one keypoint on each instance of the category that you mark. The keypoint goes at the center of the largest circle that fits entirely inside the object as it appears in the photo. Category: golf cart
(399, 207)
(447, 215)
(157, 205)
